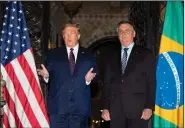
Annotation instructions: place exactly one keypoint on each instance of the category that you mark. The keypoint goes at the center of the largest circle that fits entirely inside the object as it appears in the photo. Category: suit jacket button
(70, 90)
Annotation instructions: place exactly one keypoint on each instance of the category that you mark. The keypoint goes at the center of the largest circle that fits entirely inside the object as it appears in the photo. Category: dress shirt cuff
(88, 82)
(46, 79)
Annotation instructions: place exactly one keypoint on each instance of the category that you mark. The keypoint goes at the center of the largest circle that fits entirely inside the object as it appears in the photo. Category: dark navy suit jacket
(69, 94)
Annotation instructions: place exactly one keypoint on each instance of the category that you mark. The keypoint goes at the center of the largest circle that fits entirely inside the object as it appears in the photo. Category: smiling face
(71, 36)
(126, 34)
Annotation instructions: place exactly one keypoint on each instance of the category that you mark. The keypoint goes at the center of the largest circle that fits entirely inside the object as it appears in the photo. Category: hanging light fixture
(71, 8)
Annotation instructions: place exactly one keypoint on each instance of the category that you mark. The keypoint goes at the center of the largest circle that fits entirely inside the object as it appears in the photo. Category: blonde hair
(77, 26)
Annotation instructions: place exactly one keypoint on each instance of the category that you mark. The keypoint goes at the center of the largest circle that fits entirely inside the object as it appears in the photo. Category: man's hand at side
(105, 115)
(147, 113)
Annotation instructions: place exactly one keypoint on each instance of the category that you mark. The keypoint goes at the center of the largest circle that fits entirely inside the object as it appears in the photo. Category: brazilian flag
(170, 87)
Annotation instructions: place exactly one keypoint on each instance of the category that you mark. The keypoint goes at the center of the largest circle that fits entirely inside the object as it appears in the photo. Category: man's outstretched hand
(90, 75)
(43, 71)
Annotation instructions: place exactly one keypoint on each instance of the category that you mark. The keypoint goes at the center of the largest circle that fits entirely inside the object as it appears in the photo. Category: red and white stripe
(25, 103)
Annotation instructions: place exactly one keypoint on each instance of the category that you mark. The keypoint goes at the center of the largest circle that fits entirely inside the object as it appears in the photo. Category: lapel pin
(82, 52)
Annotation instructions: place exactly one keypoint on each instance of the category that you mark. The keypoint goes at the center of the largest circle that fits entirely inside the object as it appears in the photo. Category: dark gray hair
(126, 22)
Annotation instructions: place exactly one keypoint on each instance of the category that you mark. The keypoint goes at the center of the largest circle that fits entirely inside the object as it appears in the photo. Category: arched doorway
(102, 48)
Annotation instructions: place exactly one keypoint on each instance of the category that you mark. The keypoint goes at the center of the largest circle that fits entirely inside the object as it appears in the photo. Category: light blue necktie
(124, 60)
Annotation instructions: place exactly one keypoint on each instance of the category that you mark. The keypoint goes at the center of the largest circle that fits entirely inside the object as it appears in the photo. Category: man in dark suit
(70, 70)
(130, 83)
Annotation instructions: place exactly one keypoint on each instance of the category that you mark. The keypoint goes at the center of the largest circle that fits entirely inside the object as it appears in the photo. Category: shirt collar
(75, 48)
(130, 46)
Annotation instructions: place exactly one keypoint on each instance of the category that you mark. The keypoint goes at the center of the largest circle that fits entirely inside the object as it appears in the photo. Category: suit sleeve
(48, 66)
(48, 62)
(106, 90)
(151, 81)
(95, 69)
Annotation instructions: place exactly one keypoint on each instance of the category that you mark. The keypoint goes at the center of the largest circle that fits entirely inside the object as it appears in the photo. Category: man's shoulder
(55, 50)
(143, 49)
(86, 51)
(52, 53)
(145, 53)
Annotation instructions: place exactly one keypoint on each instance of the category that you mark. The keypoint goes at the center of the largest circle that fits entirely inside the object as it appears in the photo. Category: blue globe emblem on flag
(169, 93)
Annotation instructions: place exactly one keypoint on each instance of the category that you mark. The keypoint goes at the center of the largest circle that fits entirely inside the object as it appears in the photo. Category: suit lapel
(64, 58)
(132, 60)
(79, 60)
(116, 61)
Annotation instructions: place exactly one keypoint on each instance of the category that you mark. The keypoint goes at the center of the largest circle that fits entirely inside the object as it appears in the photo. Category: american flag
(25, 106)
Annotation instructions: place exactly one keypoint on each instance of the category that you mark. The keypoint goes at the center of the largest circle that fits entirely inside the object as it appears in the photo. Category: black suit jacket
(133, 91)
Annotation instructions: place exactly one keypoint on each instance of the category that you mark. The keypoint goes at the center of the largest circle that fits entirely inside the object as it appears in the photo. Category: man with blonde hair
(70, 70)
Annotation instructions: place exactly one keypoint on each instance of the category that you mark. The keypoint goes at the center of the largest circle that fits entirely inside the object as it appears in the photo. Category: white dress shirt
(130, 47)
(75, 51)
